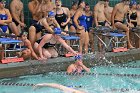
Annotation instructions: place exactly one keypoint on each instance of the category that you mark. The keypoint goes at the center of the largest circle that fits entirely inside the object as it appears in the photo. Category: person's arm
(113, 15)
(76, 16)
(32, 9)
(58, 86)
(9, 20)
(46, 25)
(22, 17)
(95, 15)
(84, 67)
(69, 69)
(68, 16)
(65, 45)
(33, 54)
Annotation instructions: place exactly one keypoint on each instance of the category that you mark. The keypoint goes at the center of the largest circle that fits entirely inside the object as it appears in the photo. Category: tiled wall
(65, 2)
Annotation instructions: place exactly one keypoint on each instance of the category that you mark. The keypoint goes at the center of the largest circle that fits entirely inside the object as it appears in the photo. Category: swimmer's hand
(63, 23)
(80, 27)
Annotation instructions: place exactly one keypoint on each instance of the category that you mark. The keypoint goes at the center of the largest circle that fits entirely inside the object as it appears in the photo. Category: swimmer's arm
(33, 54)
(68, 15)
(113, 15)
(77, 15)
(95, 15)
(56, 23)
(84, 67)
(58, 86)
(66, 45)
(69, 69)
(13, 12)
(9, 20)
(22, 16)
(46, 25)
(32, 9)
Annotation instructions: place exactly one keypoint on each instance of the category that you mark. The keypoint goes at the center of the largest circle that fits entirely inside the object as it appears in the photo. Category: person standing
(16, 8)
(81, 26)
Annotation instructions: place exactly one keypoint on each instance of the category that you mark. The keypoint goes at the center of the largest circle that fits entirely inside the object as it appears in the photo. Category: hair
(87, 4)
(80, 1)
(74, 3)
(23, 33)
(125, 0)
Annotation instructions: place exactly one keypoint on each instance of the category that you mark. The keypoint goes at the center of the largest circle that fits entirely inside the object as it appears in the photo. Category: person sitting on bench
(118, 15)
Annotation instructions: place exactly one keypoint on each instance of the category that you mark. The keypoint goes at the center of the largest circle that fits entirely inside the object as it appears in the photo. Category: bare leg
(14, 28)
(86, 42)
(126, 29)
(91, 41)
(53, 52)
(32, 35)
(82, 39)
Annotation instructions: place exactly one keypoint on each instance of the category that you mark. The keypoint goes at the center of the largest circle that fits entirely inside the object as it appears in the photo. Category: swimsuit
(89, 20)
(4, 28)
(82, 21)
(133, 16)
(115, 21)
(60, 18)
(37, 26)
(46, 45)
(102, 23)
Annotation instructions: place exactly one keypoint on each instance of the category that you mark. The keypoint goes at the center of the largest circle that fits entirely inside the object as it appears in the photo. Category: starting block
(9, 60)
(120, 49)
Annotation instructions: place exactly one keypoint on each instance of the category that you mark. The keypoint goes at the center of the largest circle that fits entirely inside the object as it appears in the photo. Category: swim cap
(51, 14)
(78, 57)
(57, 31)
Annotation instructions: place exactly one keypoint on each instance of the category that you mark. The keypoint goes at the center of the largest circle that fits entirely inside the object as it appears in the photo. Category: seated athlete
(118, 15)
(58, 86)
(5, 17)
(45, 45)
(28, 51)
(78, 66)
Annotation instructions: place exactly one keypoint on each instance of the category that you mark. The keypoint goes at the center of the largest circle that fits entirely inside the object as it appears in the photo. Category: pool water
(118, 78)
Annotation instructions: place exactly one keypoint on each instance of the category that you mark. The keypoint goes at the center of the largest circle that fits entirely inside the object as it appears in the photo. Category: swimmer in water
(78, 66)
(58, 86)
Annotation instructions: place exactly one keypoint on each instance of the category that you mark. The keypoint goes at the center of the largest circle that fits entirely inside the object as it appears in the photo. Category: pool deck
(30, 67)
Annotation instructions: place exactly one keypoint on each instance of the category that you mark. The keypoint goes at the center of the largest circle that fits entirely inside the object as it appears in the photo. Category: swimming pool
(116, 78)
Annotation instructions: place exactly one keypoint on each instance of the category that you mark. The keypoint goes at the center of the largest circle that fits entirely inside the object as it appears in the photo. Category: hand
(63, 23)
(80, 27)
(2, 22)
(22, 25)
(63, 33)
(80, 63)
